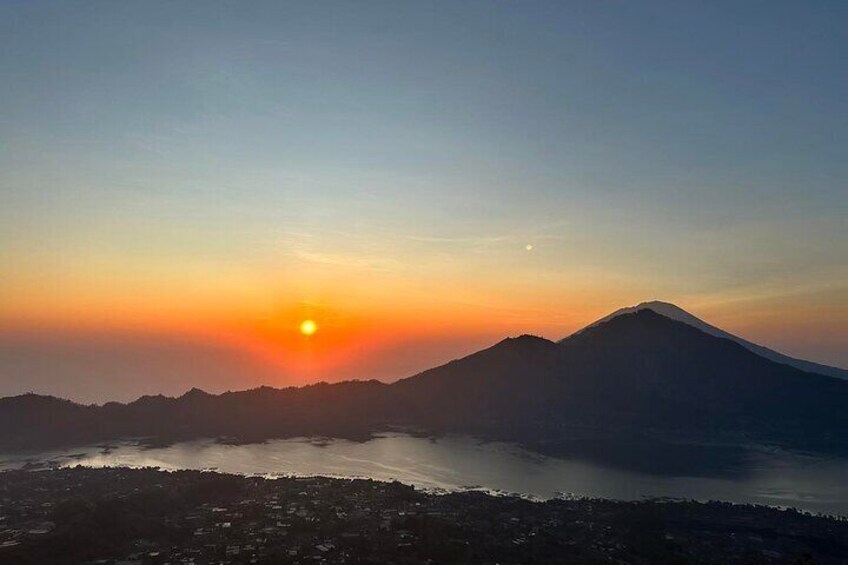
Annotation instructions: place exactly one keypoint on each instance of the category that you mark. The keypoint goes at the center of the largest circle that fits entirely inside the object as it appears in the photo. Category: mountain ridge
(636, 374)
(674, 312)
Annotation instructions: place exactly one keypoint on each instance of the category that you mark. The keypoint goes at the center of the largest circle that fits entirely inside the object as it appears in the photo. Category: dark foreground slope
(150, 517)
(636, 374)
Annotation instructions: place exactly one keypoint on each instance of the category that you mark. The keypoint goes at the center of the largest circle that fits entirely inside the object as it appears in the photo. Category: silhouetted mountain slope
(31, 420)
(350, 409)
(651, 370)
(676, 313)
(490, 388)
(637, 374)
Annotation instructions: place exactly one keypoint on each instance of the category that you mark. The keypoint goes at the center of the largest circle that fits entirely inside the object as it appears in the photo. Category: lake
(460, 462)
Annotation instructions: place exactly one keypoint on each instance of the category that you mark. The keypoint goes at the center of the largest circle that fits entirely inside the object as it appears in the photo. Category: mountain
(637, 375)
(637, 372)
(676, 313)
(349, 409)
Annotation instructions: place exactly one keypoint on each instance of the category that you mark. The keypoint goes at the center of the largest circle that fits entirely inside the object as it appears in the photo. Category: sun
(308, 327)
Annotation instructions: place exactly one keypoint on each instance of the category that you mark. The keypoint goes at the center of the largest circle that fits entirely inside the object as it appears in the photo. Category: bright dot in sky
(528, 247)
(308, 327)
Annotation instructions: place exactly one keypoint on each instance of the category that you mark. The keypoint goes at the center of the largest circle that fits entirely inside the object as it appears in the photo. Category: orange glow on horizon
(365, 328)
(361, 332)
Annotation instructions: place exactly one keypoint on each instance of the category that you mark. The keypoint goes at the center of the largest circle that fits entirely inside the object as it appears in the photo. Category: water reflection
(455, 462)
(646, 455)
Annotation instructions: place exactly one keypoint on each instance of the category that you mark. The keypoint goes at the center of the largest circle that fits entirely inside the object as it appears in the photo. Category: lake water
(459, 462)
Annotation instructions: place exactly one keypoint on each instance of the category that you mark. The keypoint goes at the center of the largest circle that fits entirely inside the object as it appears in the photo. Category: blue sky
(692, 151)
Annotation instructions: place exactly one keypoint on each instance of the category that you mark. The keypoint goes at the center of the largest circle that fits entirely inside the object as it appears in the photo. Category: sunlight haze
(418, 180)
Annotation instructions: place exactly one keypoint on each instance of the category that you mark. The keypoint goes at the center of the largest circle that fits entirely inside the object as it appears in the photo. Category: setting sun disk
(308, 327)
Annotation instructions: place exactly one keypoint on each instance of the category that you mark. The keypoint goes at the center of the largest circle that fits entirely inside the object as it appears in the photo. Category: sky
(183, 183)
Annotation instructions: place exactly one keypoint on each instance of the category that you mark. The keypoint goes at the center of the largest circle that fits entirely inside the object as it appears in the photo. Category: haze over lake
(456, 462)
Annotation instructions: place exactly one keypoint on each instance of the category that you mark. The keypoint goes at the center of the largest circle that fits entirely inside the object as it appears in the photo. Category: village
(146, 516)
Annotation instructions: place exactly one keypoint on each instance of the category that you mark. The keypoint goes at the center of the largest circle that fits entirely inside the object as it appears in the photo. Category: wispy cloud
(346, 260)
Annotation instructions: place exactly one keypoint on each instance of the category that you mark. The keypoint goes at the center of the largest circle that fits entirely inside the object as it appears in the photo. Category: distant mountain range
(638, 373)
